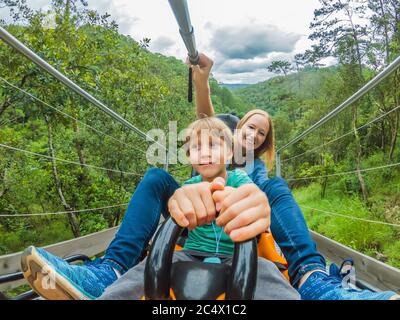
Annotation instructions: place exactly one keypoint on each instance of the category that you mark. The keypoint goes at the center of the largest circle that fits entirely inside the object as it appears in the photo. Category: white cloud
(251, 41)
(161, 44)
(154, 19)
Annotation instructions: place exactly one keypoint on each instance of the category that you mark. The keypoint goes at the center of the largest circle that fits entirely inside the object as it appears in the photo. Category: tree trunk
(393, 141)
(395, 128)
(4, 106)
(324, 185)
(3, 192)
(110, 221)
(79, 146)
(4, 188)
(359, 154)
(381, 98)
(118, 217)
(356, 42)
(386, 32)
(72, 219)
(8, 102)
(395, 24)
(83, 177)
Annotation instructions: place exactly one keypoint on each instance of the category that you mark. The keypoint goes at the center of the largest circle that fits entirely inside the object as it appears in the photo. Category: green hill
(234, 86)
(271, 95)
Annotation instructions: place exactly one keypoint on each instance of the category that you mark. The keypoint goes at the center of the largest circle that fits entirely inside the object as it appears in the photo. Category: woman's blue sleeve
(259, 173)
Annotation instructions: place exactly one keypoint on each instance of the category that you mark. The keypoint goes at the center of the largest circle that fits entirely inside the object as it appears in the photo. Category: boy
(209, 147)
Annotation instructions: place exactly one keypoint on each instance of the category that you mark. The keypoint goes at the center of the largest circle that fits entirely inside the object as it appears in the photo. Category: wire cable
(68, 161)
(67, 115)
(346, 172)
(351, 217)
(341, 137)
(60, 212)
(180, 168)
(33, 57)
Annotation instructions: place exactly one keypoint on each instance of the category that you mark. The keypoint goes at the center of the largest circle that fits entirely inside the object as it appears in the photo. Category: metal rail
(355, 97)
(89, 245)
(370, 272)
(32, 56)
(181, 13)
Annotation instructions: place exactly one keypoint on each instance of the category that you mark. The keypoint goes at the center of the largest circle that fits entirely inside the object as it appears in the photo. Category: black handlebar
(157, 278)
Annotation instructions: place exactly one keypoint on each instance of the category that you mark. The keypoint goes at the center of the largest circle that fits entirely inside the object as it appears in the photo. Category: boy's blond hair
(215, 127)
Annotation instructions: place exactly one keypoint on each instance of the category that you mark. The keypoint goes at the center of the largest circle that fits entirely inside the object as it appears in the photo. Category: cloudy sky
(242, 37)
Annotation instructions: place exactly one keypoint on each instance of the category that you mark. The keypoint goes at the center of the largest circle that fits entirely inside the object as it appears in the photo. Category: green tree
(279, 67)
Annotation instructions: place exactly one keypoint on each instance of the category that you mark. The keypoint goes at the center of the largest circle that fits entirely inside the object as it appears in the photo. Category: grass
(12, 293)
(39, 233)
(376, 240)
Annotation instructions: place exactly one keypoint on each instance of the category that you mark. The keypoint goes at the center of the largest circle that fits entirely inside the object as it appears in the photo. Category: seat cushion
(194, 280)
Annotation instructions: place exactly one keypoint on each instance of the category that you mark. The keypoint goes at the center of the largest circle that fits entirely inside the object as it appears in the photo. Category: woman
(242, 216)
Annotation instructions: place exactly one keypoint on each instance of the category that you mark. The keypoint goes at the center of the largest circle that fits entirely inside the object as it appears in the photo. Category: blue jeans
(290, 230)
(150, 200)
(141, 219)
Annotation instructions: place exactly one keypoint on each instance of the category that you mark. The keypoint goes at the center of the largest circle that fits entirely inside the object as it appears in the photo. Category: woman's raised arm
(201, 74)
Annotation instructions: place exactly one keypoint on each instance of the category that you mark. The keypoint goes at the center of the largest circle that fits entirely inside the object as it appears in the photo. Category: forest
(40, 115)
(363, 140)
(99, 162)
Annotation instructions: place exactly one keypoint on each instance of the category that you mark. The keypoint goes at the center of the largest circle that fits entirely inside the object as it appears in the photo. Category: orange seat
(268, 249)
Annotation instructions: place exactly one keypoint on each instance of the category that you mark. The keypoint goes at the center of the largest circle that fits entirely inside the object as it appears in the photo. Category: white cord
(347, 172)
(60, 212)
(69, 116)
(346, 134)
(67, 161)
(351, 217)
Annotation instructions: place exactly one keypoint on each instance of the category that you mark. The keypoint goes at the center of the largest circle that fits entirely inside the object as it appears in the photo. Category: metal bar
(29, 295)
(356, 96)
(89, 245)
(371, 271)
(181, 12)
(278, 164)
(166, 165)
(28, 53)
(5, 278)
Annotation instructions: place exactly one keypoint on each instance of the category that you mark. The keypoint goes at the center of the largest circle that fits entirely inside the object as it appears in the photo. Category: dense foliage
(146, 89)
(149, 90)
(364, 37)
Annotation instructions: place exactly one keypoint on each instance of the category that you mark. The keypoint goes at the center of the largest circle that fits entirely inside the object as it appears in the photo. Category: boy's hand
(219, 195)
(192, 205)
(245, 212)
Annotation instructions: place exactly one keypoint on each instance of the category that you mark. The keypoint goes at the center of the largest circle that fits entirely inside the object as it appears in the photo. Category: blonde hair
(216, 127)
(268, 146)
